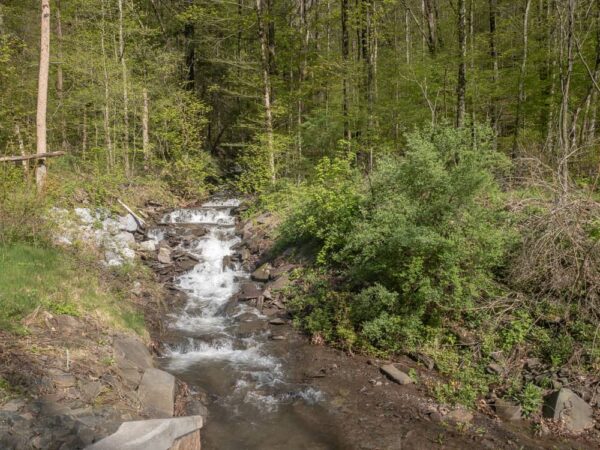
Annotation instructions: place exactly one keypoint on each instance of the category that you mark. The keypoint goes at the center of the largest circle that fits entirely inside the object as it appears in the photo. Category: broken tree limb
(28, 157)
(137, 218)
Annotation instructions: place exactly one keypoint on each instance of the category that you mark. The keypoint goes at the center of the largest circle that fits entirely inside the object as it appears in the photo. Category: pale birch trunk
(264, 53)
(42, 102)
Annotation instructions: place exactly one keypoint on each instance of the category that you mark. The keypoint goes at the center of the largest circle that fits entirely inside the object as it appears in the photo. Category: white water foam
(209, 287)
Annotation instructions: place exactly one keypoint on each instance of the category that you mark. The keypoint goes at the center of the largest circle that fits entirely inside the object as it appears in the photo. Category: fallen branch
(28, 157)
(137, 218)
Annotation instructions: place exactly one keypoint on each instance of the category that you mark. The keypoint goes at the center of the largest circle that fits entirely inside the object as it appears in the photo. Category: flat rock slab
(182, 433)
(157, 393)
(570, 409)
(132, 358)
(396, 375)
(249, 291)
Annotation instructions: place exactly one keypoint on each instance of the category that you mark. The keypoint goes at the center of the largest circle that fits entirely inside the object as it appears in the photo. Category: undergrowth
(427, 254)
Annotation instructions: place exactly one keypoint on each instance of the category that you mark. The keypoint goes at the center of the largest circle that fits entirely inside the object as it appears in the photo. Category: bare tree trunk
(42, 102)
(521, 98)
(407, 34)
(107, 136)
(145, 130)
(21, 147)
(565, 129)
(345, 55)
(264, 52)
(493, 4)
(60, 79)
(429, 10)
(125, 91)
(461, 85)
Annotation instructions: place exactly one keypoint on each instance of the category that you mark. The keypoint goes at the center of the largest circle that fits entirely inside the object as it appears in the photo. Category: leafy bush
(327, 212)
(430, 227)
(420, 239)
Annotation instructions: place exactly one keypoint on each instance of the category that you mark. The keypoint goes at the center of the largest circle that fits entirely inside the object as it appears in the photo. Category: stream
(222, 347)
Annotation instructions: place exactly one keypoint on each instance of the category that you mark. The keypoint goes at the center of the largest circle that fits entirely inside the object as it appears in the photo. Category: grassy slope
(56, 280)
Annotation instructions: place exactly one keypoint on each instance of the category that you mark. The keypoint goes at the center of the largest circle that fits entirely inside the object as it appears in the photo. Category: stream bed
(224, 348)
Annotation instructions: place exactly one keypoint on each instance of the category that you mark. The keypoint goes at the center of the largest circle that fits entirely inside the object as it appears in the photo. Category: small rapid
(253, 402)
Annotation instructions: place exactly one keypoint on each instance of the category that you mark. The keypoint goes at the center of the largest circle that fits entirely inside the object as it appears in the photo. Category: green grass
(32, 276)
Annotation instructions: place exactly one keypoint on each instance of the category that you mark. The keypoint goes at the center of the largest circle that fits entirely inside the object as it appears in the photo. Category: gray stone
(182, 433)
(245, 254)
(133, 351)
(164, 255)
(262, 273)
(249, 291)
(507, 410)
(570, 409)
(157, 393)
(277, 321)
(132, 358)
(124, 239)
(147, 246)
(128, 223)
(395, 375)
(280, 283)
(84, 215)
(112, 259)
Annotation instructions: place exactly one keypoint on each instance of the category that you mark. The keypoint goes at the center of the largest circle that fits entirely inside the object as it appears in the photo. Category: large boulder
(249, 291)
(132, 358)
(570, 409)
(181, 433)
(157, 393)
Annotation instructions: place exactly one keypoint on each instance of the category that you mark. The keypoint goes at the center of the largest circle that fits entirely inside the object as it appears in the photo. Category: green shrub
(326, 214)
(531, 398)
(430, 226)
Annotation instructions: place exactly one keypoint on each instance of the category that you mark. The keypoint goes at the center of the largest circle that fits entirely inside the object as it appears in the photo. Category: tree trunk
(264, 53)
(145, 130)
(42, 102)
(565, 129)
(461, 85)
(60, 79)
(493, 5)
(431, 19)
(125, 91)
(521, 98)
(107, 137)
(345, 55)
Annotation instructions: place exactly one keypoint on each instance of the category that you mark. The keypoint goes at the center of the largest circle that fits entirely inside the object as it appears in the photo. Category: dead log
(29, 157)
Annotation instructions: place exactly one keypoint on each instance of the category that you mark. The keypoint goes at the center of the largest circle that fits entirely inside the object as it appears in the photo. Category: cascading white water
(210, 285)
(253, 404)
